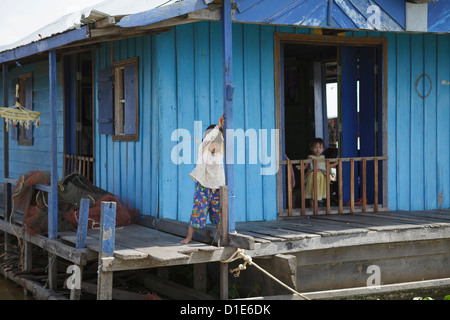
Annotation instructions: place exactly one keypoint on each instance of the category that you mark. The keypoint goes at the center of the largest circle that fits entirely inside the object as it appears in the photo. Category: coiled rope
(239, 253)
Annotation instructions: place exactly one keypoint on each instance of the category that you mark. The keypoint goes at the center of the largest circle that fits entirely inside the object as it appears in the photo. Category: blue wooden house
(127, 90)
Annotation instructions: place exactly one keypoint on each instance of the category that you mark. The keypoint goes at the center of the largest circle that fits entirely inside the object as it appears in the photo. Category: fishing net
(34, 203)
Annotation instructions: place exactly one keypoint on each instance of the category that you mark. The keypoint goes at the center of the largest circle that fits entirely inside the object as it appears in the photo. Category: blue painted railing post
(75, 293)
(108, 224)
(228, 89)
(53, 196)
(106, 254)
(82, 223)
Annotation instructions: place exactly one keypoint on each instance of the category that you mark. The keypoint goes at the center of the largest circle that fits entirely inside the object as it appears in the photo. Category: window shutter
(130, 99)
(29, 106)
(14, 131)
(105, 101)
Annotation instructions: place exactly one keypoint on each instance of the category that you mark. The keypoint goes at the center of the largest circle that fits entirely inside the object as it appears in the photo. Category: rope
(239, 253)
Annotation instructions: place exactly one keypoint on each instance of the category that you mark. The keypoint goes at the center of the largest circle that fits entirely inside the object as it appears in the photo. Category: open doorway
(332, 92)
(78, 115)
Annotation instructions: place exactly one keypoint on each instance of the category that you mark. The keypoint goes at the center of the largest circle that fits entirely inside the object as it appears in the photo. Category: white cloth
(209, 171)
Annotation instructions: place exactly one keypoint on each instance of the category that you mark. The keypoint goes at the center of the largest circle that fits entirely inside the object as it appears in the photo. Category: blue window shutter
(29, 106)
(14, 131)
(130, 99)
(105, 101)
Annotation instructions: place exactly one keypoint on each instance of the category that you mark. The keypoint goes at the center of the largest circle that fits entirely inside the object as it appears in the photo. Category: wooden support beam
(302, 186)
(200, 277)
(352, 185)
(7, 186)
(224, 216)
(173, 290)
(82, 223)
(107, 22)
(341, 189)
(53, 195)
(375, 172)
(106, 254)
(289, 183)
(327, 165)
(83, 216)
(228, 90)
(364, 187)
(315, 185)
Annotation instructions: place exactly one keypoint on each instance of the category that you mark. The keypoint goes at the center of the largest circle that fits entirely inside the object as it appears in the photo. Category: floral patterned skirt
(206, 202)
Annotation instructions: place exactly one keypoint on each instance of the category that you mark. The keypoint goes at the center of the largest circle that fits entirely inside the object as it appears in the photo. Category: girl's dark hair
(315, 141)
(219, 138)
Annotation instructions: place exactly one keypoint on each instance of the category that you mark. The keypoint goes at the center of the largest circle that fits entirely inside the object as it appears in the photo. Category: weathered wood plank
(173, 290)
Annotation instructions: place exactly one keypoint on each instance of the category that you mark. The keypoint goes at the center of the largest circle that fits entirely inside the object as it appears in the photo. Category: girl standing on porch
(317, 146)
(209, 176)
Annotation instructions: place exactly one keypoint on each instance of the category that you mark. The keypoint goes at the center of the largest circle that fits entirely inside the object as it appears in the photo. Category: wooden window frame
(21, 134)
(119, 99)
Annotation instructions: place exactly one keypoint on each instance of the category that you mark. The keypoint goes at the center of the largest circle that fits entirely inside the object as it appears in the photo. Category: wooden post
(315, 184)
(53, 195)
(375, 191)
(7, 185)
(224, 241)
(106, 254)
(82, 223)
(224, 216)
(200, 277)
(302, 186)
(327, 164)
(341, 189)
(364, 182)
(228, 90)
(352, 185)
(289, 182)
(83, 216)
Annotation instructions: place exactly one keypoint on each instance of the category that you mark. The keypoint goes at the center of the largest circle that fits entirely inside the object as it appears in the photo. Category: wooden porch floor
(138, 246)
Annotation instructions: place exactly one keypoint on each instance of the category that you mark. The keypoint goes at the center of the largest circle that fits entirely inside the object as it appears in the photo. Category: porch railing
(82, 165)
(340, 184)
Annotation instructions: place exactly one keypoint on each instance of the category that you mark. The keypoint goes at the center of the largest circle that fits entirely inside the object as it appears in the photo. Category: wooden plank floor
(138, 246)
(328, 231)
(143, 247)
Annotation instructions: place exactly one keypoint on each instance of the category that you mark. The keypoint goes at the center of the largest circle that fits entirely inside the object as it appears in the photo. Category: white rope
(239, 253)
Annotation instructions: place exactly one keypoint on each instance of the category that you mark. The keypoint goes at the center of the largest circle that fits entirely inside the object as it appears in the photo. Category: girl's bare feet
(189, 236)
(185, 241)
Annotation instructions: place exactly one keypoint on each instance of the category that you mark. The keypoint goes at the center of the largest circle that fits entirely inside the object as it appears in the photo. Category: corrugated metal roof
(71, 21)
(381, 15)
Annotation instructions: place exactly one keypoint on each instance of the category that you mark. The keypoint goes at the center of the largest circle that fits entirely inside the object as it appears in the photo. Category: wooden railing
(82, 165)
(303, 164)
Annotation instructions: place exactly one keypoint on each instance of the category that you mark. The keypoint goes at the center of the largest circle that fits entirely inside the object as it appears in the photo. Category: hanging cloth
(19, 115)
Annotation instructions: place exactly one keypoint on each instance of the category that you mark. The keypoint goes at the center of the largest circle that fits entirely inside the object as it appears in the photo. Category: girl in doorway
(317, 146)
(209, 175)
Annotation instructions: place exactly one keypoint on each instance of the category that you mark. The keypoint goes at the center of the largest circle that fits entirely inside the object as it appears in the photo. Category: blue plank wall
(180, 82)
(35, 157)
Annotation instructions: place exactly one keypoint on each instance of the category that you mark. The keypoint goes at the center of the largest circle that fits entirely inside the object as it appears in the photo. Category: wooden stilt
(315, 184)
(83, 216)
(289, 182)
(106, 254)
